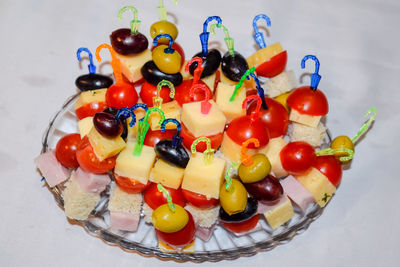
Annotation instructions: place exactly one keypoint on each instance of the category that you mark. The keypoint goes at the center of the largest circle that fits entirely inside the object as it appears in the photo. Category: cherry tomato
(181, 238)
(66, 150)
(149, 91)
(275, 118)
(153, 137)
(188, 139)
(175, 46)
(242, 227)
(273, 66)
(90, 109)
(121, 96)
(297, 157)
(244, 128)
(307, 101)
(88, 160)
(130, 185)
(330, 167)
(200, 201)
(155, 198)
(182, 95)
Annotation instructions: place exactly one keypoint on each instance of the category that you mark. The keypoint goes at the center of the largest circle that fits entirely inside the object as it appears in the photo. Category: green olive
(342, 142)
(257, 171)
(233, 200)
(163, 27)
(168, 221)
(167, 63)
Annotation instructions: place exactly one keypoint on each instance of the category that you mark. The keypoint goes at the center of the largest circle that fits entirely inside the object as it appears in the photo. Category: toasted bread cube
(91, 96)
(264, 54)
(104, 147)
(280, 84)
(202, 178)
(305, 119)
(279, 213)
(167, 174)
(131, 65)
(204, 217)
(311, 135)
(231, 150)
(136, 167)
(272, 151)
(85, 125)
(232, 109)
(171, 110)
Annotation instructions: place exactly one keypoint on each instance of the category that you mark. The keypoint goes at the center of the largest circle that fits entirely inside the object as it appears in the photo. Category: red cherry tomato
(155, 198)
(89, 109)
(178, 49)
(88, 160)
(297, 157)
(330, 167)
(153, 137)
(182, 95)
(242, 227)
(307, 101)
(200, 201)
(275, 118)
(149, 91)
(130, 185)
(121, 96)
(181, 238)
(274, 66)
(188, 139)
(244, 128)
(66, 150)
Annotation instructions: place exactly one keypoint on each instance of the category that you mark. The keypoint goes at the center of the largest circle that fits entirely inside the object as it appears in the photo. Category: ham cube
(51, 169)
(205, 233)
(91, 183)
(125, 221)
(297, 192)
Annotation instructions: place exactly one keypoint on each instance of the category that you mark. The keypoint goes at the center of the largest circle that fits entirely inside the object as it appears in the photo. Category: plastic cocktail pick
(246, 158)
(162, 11)
(169, 49)
(228, 40)
(330, 151)
(135, 23)
(208, 153)
(364, 128)
(258, 36)
(205, 35)
(315, 77)
(157, 100)
(198, 70)
(177, 138)
(167, 196)
(255, 114)
(91, 66)
(240, 83)
(228, 175)
(126, 113)
(205, 105)
(115, 63)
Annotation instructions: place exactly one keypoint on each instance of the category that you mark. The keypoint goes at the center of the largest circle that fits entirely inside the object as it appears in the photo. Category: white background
(357, 43)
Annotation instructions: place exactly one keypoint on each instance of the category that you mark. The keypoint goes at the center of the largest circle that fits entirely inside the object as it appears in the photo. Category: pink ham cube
(51, 169)
(297, 192)
(124, 221)
(91, 183)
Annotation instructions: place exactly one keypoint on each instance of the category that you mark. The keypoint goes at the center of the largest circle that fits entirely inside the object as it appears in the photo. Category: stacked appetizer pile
(202, 145)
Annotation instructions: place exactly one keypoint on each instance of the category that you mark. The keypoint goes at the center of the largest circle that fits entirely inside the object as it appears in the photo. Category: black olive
(93, 81)
(210, 63)
(153, 75)
(174, 155)
(249, 211)
(114, 111)
(234, 67)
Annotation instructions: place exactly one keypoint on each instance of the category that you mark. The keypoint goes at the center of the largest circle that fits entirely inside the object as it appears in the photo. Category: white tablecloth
(357, 43)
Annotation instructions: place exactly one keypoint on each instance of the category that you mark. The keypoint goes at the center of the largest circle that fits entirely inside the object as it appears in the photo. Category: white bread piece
(77, 203)
(125, 202)
(311, 135)
(148, 212)
(203, 217)
(280, 84)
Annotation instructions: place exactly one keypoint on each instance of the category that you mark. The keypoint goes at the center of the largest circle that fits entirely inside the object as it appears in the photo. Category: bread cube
(104, 147)
(204, 217)
(280, 84)
(131, 65)
(311, 135)
(279, 213)
(171, 110)
(167, 174)
(231, 150)
(272, 151)
(311, 121)
(85, 125)
(232, 109)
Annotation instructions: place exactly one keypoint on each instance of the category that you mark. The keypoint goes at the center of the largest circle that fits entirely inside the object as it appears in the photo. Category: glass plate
(223, 245)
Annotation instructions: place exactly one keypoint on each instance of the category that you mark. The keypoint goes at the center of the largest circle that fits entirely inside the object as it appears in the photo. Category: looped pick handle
(315, 77)
(208, 153)
(228, 40)
(157, 100)
(246, 158)
(115, 63)
(91, 66)
(258, 36)
(162, 11)
(205, 105)
(177, 139)
(126, 113)
(256, 112)
(364, 128)
(205, 35)
(330, 151)
(135, 23)
(240, 83)
(228, 175)
(169, 49)
(167, 196)
(198, 70)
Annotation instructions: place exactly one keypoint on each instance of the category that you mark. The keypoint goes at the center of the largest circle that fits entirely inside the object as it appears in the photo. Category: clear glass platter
(223, 245)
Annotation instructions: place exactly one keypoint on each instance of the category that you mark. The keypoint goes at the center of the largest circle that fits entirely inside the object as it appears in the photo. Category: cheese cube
(185, 75)
(231, 150)
(280, 84)
(91, 96)
(212, 80)
(104, 147)
(247, 83)
(202, 178)
(230, 109)
(311, 135)
(132, 131)
(297, 192)
(272, 151)
(279, 213)
(264, 54)
(203, 124)
(85, 125)
(318, 185)
(305, 119)
(131, 65)
(136, 167)
(171, 110)
(166, 174)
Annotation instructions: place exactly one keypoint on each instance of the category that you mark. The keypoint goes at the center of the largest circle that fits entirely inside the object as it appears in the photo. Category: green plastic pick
(157, 100)
(240, 83)
(228, 40)
(162, 11)
(135, 23)
(228, 175)
(167, 196)
(330, 151)
(364, 128)
(208, 153)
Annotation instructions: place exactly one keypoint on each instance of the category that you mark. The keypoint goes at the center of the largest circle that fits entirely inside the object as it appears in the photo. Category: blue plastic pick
(91, 66)
(315, 77)
(205, 34)
(258, 36)
(177, 139)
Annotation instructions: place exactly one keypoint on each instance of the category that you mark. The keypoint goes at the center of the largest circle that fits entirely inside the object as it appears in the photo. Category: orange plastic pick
(199, 69)
(205, 105)
(246, 158)
(115, 63)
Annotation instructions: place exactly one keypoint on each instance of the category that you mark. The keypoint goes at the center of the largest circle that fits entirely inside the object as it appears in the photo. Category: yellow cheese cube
(231, 150)
(211, 80)
(104, 147)
(132, 131)
(203, 124)
(272, 151)
(202, 178)
(136, 167)
(167, 174)
(230, 109)
(247, 83)
(308, 120)
(85, 125)
(318, 185)
(131, 65)
(91, 96)
(264, 54)
(280, 214)
(171, 110)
